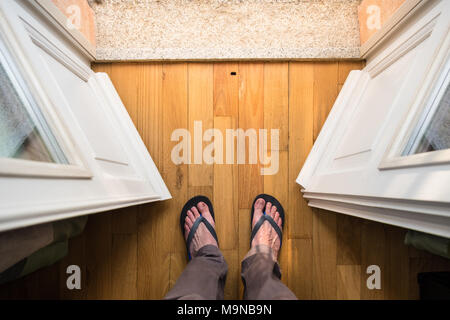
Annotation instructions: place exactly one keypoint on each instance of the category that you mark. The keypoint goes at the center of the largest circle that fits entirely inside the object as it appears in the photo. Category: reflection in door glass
(433, 133)
(24, 133)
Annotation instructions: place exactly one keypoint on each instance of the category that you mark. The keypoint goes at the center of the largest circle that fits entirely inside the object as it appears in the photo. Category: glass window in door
(24, 132)
(432, 133)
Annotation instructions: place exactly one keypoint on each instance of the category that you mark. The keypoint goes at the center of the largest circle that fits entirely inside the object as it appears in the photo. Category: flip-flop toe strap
(194, 228)
(260, 222)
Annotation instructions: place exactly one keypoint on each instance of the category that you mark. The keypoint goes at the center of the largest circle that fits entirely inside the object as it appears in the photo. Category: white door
(67, 144)
(384, 151)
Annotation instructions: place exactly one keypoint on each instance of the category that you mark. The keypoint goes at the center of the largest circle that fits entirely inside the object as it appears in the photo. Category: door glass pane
(433, 131)
(24, 133)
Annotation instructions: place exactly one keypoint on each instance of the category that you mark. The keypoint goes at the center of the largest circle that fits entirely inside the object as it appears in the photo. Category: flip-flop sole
(193, 203)
(273, 201)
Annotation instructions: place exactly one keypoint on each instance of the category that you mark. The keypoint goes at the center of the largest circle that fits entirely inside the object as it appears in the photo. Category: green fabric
(12, 272)
(62, 231)
(433, 244)
(39, 259)
(45, 257)
(66, 229)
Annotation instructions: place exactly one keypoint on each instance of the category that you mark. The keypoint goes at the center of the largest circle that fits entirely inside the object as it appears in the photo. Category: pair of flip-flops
(265, 217)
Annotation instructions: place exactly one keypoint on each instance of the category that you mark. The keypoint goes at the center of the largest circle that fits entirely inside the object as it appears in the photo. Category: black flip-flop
(193, 203)
(266, 217)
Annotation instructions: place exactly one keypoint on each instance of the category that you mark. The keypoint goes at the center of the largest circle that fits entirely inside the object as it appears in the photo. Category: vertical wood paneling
(373, 252)
(325, 92)
(226, 89)
(231, 291)
(124, 266)
(226, 178)
(124, 220)
(244, 240)
(200, 102)
(178, 261)
(98, 257)
(348, 240)
(130, 84)
(344, 68)
(277, 186)
(225, 185)
(153, 251)
(276, 101)
(206, 191)
(175, 116)
(324, 223)
(301, 117)
(75, 256)
(126, 80)
(300, 267)
(276, 117)
(397, 265)
(349, 282)
(140, 88)
(324, 255)
(150, 120)
(251, 116)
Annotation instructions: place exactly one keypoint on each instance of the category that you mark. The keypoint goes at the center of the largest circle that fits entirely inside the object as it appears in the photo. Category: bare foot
(266, 234)
(202, 236)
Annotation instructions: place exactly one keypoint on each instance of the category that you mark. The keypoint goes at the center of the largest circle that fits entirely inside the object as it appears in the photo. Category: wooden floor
(139, 252)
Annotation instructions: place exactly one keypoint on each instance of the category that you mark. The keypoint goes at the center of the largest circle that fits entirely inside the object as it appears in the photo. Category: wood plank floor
(139, 252)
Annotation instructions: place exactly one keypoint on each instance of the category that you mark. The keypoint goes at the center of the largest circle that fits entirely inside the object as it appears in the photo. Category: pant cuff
(260, 248)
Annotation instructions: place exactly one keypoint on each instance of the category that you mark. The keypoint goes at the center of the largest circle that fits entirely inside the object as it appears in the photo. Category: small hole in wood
(233, 73)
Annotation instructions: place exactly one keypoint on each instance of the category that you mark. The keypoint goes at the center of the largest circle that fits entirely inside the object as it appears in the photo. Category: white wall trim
(50, 48)
(431, 208)
(437, 225)
(59, 210)
(403, 48)
(27, 168)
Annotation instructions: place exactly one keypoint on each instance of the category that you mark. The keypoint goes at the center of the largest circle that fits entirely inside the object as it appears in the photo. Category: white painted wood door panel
(356, 165)
(108, 165)
(378, 99)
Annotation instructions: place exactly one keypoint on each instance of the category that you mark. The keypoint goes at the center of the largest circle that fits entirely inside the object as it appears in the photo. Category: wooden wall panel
(175, 116)
(301, 137)
(251, 116)
(200, 109)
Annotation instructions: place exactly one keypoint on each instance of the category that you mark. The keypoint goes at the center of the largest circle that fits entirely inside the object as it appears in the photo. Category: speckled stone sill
(130, 30)
(215, 54)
